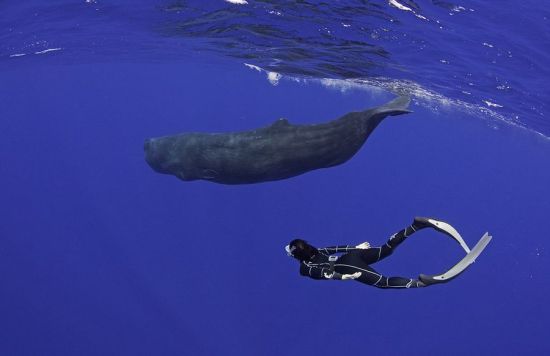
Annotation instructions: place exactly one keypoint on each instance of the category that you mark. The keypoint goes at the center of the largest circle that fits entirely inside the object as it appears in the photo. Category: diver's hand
(364, 246)
(351, 276)
(343, 277)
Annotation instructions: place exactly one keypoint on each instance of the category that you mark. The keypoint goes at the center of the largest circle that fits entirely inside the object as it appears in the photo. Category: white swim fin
(445, 228)
(460, 266)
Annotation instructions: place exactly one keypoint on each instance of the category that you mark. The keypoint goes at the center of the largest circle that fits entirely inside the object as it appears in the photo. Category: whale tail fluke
(397, 106)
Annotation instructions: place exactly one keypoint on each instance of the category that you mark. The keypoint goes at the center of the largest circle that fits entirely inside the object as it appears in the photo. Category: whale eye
(209, 174)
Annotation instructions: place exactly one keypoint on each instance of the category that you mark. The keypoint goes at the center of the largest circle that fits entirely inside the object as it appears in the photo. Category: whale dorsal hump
(280, 123)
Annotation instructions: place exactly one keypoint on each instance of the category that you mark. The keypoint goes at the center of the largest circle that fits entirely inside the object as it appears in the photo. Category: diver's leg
(355, 262)
(377, 253)
(400, 236)
(373, 278)
(399, 282)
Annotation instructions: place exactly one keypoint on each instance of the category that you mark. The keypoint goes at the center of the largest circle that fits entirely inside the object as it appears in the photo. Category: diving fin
(460, 266)
(445, 228)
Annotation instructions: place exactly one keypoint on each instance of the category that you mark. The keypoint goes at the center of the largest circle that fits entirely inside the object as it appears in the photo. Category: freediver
(354, 263)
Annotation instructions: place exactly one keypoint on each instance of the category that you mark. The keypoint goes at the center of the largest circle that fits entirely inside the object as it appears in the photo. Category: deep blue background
(101, 256)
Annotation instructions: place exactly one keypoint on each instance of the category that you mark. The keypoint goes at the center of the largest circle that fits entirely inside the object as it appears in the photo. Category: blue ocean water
(102, 256)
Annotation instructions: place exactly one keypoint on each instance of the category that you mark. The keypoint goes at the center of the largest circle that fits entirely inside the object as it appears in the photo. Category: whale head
(165, 156)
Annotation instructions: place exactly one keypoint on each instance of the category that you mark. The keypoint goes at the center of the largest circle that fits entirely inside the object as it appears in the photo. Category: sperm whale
(279, 151)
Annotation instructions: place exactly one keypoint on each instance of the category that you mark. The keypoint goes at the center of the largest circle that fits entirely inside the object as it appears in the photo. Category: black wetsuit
(358, 260)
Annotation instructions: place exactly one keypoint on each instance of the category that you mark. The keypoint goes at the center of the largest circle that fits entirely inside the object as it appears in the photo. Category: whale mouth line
(181, 175)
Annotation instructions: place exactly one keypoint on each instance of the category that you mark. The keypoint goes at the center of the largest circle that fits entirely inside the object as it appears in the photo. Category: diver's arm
(340, 248)
(313, 271)
(325, 273)
(343, 277)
